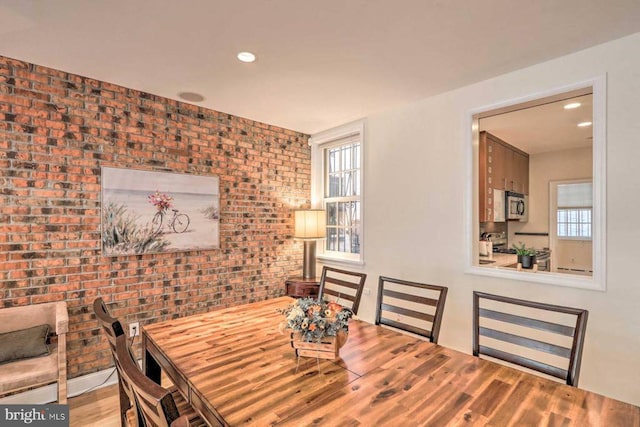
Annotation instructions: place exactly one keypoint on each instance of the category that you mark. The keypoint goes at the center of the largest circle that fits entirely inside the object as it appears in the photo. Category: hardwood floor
(96, 408)
(101, 408)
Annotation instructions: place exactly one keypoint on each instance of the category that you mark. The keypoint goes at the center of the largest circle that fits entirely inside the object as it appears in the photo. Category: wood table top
(239, 363)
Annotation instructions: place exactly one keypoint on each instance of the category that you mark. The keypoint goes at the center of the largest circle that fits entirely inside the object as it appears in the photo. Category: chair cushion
(29, 372)
(24, 343)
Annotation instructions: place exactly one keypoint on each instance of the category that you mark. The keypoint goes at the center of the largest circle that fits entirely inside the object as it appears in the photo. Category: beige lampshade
(310, 224)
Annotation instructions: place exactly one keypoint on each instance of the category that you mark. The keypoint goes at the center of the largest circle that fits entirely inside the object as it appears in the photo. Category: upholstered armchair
(33, 347)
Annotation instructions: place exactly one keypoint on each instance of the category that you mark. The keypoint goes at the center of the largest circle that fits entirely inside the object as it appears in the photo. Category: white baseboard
(75, 387)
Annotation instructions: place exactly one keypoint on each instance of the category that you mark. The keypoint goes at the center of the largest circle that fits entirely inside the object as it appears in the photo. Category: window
(574, 210)
(574, 223)
(342, 197)
(583, 223)
(337, 187)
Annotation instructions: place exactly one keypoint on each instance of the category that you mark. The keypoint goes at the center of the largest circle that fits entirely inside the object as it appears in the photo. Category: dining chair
(155, 404)
(411, 306)
(531, 334)
(342, 286)
(113, 330)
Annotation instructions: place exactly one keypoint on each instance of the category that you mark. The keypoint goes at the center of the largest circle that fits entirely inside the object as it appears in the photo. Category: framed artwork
(151, 212)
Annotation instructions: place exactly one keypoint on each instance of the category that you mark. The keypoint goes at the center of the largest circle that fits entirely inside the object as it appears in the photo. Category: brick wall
(56, 131)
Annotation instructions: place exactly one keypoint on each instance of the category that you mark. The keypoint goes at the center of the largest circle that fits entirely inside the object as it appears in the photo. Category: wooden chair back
(155, 404)
(112, 328)
(110, 325)
(535, 335)
(342, 286)
(411, 306)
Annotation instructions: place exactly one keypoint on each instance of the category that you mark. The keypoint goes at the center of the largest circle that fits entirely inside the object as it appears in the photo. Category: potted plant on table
(319, 328)
(526, 256)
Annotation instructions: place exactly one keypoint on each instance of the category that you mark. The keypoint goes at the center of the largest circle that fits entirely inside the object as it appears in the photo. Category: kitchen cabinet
(501, 167)
(500, 156)
(491, 174)
(520, 162)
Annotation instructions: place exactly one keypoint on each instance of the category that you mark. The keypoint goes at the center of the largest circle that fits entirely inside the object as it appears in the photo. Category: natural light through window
(574, 223)
(574, 212)
(337, 186)
(342, 198)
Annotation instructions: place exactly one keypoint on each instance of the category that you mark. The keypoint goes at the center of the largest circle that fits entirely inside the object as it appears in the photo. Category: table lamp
(310, 225)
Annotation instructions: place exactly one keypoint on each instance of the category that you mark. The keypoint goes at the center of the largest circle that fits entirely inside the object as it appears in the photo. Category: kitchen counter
(500, 260)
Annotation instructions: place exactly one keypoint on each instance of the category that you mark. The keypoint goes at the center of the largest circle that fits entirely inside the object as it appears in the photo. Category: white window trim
(317, 183)
(596, 282)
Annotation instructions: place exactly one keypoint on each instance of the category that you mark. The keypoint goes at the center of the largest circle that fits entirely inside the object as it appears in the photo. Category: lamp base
(309, 260)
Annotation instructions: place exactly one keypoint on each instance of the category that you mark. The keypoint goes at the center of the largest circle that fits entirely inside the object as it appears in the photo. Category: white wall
(414, 208)
(576, 255)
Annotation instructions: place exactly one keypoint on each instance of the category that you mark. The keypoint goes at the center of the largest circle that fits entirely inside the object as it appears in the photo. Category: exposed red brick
(58, 129)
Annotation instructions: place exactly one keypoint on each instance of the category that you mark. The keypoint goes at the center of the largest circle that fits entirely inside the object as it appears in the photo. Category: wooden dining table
(236, 367)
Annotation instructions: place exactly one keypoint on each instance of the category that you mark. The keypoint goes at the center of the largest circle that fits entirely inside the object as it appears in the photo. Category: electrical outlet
(367, 291)
(134, 329)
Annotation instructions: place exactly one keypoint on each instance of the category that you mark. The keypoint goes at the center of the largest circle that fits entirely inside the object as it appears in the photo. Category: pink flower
(161, 201)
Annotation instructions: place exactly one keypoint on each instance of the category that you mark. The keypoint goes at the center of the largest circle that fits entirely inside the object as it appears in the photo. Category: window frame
(319, 142)
(597, 281)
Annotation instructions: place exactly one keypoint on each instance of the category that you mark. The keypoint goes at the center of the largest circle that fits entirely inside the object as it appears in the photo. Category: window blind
(578, 195)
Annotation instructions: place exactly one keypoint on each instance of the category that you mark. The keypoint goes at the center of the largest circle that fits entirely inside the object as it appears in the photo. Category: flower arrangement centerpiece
(319, 328)
(161, 201)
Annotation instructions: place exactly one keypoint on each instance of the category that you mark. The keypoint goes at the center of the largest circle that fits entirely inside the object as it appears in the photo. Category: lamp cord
(113, 371)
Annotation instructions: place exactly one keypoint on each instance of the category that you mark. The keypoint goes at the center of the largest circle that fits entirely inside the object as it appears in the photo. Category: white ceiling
(320, 63)
(545, 128)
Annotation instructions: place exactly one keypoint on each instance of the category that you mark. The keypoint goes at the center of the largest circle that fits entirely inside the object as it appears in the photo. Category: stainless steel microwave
(516, 206)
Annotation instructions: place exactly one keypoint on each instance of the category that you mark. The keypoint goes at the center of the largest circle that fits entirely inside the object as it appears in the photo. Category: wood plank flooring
(99, 407)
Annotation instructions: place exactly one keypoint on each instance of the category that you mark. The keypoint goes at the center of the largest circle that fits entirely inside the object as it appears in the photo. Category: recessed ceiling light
(584, 124)
(572, 105)
(246, 57)
(191, 96)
